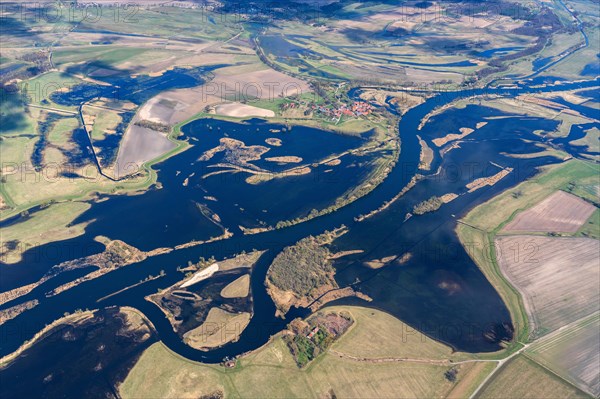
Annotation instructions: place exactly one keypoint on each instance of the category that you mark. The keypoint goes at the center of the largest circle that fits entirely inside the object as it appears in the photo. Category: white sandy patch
(157, 110)
(242, 110)
(201, 275)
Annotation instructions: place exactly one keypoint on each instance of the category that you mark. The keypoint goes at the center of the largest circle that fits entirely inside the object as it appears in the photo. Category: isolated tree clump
(301, 267)
(432, 204)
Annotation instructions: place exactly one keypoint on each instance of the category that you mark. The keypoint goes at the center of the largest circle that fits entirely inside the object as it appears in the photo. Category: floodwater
(439, 290)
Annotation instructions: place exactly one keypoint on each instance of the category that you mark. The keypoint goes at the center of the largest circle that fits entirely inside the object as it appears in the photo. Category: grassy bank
(77, 317)
(356, 365)
(52, 223)
(352, 127)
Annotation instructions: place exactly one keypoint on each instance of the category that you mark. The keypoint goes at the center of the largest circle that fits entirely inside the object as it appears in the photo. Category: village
(332, 111)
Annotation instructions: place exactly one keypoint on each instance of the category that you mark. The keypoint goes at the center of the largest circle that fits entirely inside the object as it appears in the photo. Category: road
(543, 339)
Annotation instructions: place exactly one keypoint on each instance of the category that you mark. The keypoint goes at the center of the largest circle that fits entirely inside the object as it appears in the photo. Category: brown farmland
(560, 212)
(573, 352)
(558, 277)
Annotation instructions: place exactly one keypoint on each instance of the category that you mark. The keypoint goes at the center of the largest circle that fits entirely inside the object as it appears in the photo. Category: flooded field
(106, 343)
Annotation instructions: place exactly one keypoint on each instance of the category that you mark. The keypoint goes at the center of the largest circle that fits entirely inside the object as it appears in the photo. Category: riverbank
(364, 362)
(74, 318)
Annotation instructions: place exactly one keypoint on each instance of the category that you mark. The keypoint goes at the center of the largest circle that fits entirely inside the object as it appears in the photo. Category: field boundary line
(556, 374)
(556, 335)
(552, 335)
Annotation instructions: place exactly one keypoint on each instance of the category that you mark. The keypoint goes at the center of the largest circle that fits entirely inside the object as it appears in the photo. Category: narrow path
(470, 225)
(498, 367)
(548, 337)
(58, 110)
(91, 142)
(441, 362)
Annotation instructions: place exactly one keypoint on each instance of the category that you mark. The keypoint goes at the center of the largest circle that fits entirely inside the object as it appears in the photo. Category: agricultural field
(591, 228)
(557, 277)
(549, 282)
(523, 378)
(573, 176)
(402, 340)
(112, 26)
(573, 352)
(39, 89)
(272, 372)
(379, 42)
(79, 52)
(86, 57)
(561, 212)
(481, 225)
(178, 133)
(86, 54)
(584, 61)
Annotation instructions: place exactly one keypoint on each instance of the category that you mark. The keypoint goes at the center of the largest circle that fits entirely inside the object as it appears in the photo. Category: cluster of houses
(333, 111)
(357, 108)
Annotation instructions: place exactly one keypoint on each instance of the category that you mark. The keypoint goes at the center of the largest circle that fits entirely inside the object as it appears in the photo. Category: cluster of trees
(201, 264)
(451, 374)
(312, 214)
(573, 186)
(305, 349)
(37, 63)
(301, 267)
(432, 204)
(159, 127)
(117, 255)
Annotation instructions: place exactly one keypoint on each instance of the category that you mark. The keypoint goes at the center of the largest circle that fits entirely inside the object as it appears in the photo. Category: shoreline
(76, 316)
(72, 319)
(474, 238)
